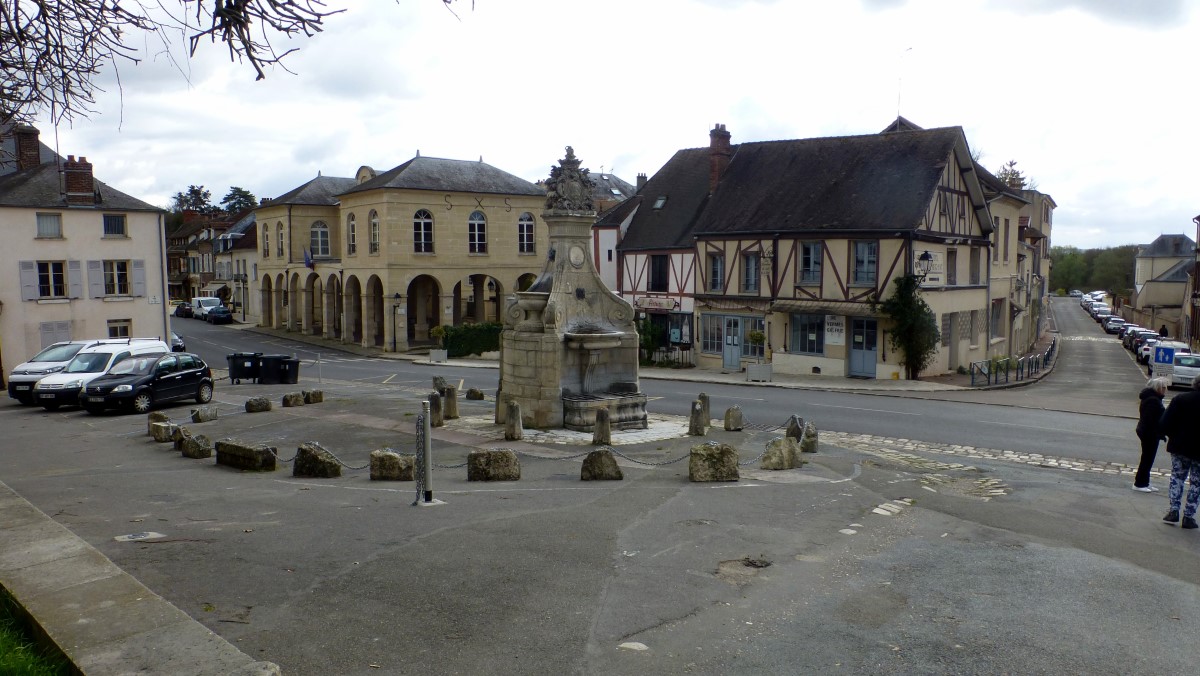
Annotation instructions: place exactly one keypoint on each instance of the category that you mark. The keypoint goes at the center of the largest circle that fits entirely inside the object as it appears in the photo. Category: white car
(202, 304)
(1184, 368)
(93, 361)
(50, 360)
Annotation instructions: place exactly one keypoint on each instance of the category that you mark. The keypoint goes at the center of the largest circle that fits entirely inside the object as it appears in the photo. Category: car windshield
(1187, 360)
(136, 366)
(91, 362)
(57, 353)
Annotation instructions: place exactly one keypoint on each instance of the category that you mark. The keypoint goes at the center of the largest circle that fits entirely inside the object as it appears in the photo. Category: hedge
(469, 339)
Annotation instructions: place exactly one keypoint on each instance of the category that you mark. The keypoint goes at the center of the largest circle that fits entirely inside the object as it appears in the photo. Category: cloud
(1157, 14)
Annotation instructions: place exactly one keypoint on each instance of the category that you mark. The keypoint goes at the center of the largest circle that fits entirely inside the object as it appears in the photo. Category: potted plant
(760, 371)
(438, 353)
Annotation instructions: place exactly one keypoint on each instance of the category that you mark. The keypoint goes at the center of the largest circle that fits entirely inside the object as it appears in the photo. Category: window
(423, 232)
(810, 262)
(351, 236)
(808, 334)
(120, 328)
(866, 263)
(319, 239)
(279, 237)
(49, 226)
(660, 273)
(1006, 226)
(373, 246)
(995, 238)
(525, 242)
(975, 266)
(716, 272)
(712, 336)
(951, 267)
(52, 279)
(266, 241)
(116, 278)
(997, 318)
(751, 272)
(114, 225)
(610, 255)
(750, 349)
(477, 233)
(660, 201)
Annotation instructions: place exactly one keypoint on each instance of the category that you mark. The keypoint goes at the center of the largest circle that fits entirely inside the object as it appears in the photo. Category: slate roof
(876, 182)
(683, 180)
(613, 216)
(607, 183)
(1168, 246)
(320, 191)
(8, 150)
(434, 173)
(39, 188)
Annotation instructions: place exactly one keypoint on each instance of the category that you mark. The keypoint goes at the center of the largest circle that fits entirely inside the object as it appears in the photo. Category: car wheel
(143, 402)
(204, 394)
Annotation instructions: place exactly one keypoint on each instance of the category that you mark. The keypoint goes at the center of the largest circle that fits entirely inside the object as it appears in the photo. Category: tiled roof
(433, 173)
(683, 182)
(1168, 246)
(320, 191)
(39, 187)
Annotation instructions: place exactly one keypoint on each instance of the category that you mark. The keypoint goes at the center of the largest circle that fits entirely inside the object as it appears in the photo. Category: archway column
(396, 330)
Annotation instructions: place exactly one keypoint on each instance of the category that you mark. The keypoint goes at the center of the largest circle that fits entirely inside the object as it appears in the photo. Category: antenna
(900, 79)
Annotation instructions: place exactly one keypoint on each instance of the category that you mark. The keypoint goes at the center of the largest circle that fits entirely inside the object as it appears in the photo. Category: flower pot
(758, 372)
(438, 355)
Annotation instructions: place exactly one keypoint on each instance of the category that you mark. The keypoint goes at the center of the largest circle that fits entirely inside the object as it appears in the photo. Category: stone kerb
(163, 432)
(197, 447)
(600, 466)
(388, 465)
(313, 396)
(713, 462)
(257, 458)
(808, 441)
(155, 417)
(698, 420)
(313, 460)
(493, 465)
(782, 453)
(474, 394)
(795, 428)
(292, 399)
(734, 421)
(258, 405)
(180, 434)
(204, 414)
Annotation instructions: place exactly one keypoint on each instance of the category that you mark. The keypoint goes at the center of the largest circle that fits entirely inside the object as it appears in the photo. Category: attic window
(615, 192)
(658, 203)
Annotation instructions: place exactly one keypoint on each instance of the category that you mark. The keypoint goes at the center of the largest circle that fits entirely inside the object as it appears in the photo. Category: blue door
(864, 349)
(733, 344)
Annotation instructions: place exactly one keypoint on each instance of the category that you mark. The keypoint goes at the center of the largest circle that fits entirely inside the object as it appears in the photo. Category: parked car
(184, 310)
(139, 383)
(219, 315)
(1146, 348)
(177, 344)
(63, 388)
(1184, 368)
(50, 360)
(1113, 324)
(1179, 348)
(1136, 340)
(1075, 293)
(202, 304)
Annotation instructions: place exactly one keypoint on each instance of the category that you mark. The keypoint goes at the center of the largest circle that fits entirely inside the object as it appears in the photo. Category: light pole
(923, 265)
(395, 311)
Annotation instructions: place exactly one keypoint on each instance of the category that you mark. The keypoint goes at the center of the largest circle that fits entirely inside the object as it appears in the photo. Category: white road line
(389, 379)
(872, 410)
(1038, 427)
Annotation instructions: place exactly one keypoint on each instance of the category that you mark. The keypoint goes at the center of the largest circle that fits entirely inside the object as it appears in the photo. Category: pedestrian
(1183, 443)
(1150, 412)
(1163, 331)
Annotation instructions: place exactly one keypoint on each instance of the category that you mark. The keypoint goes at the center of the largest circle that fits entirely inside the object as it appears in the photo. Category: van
(63, 388)
(50, 360)
(202, 304)
(1165, 369)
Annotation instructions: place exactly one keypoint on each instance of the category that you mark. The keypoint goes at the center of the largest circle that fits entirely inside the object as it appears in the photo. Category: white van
(50, 360)
(202, 304)
(63, 388)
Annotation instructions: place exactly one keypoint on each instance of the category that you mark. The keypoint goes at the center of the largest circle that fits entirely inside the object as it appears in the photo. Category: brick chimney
(641, 181)
(718, 156)
(29, 153)
(77, 175)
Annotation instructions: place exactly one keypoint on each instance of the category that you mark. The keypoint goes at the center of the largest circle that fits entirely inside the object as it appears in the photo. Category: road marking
(389, 379)
(745, 398)
(872, 410)
(1038, 427)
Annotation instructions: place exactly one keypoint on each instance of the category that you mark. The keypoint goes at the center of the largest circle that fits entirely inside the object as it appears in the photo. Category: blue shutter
(96, 279)
(139, 278)
(29, 280)
(75, 279)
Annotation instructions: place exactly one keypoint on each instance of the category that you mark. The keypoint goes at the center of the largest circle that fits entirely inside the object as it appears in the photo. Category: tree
(238, 200)
(914, 327)
(52, 52)
(1012, 176)
(195, 199)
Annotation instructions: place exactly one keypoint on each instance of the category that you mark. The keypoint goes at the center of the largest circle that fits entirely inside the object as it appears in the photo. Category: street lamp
(924, 263)
(395, 310)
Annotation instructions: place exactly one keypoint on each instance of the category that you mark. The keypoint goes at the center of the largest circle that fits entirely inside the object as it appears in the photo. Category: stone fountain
(570, 345)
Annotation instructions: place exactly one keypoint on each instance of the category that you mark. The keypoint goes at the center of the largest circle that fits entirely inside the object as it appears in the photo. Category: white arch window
(351, 236)
(318, 243)
(477, 233)
(374, 244)
(279, 237)
(422, 232)
(266, 241)
(525, 242)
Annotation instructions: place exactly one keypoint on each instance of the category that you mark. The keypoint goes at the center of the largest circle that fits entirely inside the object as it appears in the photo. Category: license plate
(96, 400)
(46, 396)
(21, 388)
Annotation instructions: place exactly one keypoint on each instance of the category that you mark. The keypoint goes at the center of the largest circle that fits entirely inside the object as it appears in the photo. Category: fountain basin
(605, 340)
(626, 411)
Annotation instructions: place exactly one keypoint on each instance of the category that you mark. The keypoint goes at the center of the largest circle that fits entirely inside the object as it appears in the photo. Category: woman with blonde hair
(1149, 430)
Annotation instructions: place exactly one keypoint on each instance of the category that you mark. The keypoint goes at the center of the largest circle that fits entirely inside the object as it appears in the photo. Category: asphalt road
(866, 561)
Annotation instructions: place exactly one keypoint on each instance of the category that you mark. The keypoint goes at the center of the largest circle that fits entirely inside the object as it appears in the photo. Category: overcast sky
(1096, 100)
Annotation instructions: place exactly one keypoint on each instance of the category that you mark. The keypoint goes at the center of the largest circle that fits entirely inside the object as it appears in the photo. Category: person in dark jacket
(1183, 443)
(1148, 430)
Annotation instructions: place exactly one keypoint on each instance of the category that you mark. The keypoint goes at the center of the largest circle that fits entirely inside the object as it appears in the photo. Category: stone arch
(375, 328)
(333, 306)
(525, 281)
(266, 300)
(354, 310)
(292, 299)
(314, 304)
(424, 306)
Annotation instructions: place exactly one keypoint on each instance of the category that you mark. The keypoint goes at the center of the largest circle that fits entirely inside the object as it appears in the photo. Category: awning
(212, 289)
(827, 307)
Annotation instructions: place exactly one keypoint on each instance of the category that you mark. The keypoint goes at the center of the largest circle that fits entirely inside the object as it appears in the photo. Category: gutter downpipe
(162, 264)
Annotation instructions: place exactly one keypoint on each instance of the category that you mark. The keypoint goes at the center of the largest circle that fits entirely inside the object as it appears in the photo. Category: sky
(1096, 100)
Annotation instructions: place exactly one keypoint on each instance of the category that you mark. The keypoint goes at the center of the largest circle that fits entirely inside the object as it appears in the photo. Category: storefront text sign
(835, 330)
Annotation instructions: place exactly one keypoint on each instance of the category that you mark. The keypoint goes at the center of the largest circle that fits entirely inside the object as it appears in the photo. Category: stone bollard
(781, 453)
(233, 453)
(388, 465)
(197, 447)
(162, 432)
(155, 417)
(180, 434)
(697, 422)
(450, 403)
(713, 462)
(501, 408)
(493, 465)
(313, 460)
(204, 414)
(436, 418)
(707, 408)
(313, 396)
(513, 429)
(602, 432)
(795, 428)
(474, 394)
(293, 399)
(258, 405)
(600, 466)
(733, 419)
(440, 385)
(808, 443)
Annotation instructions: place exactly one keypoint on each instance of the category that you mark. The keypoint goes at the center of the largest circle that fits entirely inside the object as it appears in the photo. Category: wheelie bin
(289, 371)
(243, 366)
(270, 370)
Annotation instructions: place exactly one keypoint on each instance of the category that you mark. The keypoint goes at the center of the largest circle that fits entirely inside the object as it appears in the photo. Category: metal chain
(274, 453)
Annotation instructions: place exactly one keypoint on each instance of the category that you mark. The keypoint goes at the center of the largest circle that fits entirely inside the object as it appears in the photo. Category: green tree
(238, 200)
(1070, 269)
(914, 327)
(195, 199)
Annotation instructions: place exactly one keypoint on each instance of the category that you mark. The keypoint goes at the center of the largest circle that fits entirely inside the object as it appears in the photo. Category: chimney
(29, 152)
(641, 182)
(77, 176)
(718, 156)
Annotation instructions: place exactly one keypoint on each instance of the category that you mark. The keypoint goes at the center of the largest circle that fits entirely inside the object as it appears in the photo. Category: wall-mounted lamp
(924, 263)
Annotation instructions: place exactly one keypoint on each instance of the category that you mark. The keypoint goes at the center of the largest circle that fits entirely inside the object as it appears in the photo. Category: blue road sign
(1164, 355)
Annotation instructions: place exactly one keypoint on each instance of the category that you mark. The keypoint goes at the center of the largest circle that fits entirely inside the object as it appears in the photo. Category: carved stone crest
(569, 187)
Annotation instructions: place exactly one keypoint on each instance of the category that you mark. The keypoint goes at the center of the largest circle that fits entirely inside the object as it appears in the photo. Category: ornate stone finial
(569, 188)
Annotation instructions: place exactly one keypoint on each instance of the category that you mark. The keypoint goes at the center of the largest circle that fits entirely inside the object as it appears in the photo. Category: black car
(138, 383)
(184, 310)
(177, 344)
(219, 314)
